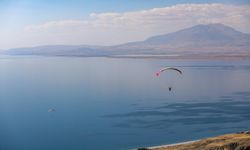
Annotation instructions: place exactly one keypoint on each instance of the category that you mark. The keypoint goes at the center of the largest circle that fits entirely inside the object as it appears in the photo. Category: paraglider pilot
(169, 88)
(168, 68)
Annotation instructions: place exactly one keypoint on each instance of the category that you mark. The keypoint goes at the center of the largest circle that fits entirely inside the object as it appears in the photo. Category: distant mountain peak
(199, 34)
(212, 27)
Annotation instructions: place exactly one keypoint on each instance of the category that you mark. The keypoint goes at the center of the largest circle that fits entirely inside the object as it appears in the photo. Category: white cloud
(114, 28)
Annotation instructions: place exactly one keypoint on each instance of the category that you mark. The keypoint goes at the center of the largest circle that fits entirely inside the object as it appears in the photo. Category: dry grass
(226, 142)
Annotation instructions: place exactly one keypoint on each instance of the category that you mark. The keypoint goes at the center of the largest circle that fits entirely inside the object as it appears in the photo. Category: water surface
(118, 104)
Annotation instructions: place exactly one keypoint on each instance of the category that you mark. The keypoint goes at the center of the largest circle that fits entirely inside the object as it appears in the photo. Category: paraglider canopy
(168, 68)
(171, 79)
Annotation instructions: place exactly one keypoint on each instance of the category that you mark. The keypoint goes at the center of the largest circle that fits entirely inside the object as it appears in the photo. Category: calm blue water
(118, 104)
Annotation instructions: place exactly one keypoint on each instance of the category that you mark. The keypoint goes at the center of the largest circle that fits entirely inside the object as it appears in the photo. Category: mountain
(200, 35)
(58, 50)
(209, 39)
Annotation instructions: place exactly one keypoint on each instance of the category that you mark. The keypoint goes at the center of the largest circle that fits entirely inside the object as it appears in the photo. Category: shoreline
(187, 57)
(169, 57)
(169, 145)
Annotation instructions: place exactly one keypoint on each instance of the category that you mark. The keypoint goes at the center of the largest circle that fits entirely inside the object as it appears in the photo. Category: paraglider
(168, 69)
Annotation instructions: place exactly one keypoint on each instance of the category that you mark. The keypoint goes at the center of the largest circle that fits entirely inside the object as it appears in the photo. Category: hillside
(57, 50)
(238, 141)
(199, 40)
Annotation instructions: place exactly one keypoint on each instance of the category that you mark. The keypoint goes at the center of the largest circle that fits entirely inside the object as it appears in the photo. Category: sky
(27, 23)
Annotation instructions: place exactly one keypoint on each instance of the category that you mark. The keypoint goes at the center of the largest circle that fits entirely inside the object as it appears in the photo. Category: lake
(118, 103)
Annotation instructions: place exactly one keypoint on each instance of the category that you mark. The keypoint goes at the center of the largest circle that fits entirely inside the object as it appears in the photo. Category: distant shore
(222, 57)
(171, 56)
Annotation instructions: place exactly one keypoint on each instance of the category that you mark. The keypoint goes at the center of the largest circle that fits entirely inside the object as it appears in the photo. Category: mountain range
(203, 39)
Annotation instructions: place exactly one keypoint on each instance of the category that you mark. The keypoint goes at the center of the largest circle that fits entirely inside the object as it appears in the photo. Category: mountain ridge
(199, 37)
(202, 39)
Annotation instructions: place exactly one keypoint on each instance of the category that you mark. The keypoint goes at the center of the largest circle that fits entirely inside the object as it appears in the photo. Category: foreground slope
(238, 141)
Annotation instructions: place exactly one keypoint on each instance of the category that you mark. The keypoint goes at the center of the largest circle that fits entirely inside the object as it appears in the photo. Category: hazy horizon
(27, 23)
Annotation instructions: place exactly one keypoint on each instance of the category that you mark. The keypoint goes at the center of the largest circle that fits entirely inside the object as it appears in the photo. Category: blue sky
(43, 10)
(16, 15)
